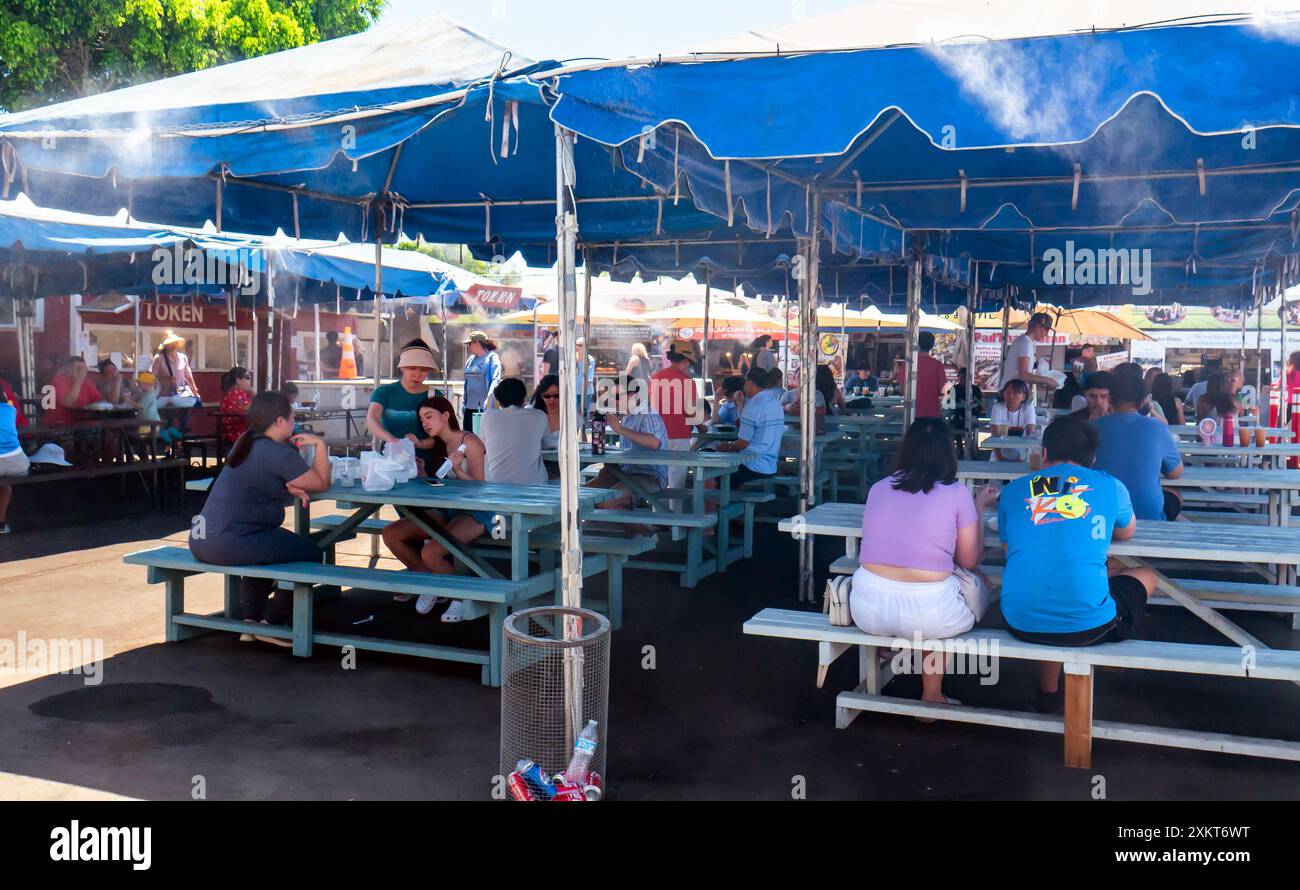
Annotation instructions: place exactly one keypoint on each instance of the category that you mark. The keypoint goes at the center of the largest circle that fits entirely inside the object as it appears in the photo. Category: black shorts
(1173, 506)
(1130, 596)
(745, 474)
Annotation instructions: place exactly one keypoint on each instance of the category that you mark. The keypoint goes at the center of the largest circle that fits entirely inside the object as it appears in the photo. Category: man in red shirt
(675, 395)
(9, 397)
(931, 378)
(72, 390)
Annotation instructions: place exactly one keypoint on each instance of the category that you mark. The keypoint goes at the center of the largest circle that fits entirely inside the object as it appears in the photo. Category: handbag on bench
(836, 601)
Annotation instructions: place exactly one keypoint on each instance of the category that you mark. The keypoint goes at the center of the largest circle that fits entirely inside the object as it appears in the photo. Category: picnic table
(695, 517)
(1274, 454)
(121, 454)
(1279, 485)
(1153, 540)
(1189, 431)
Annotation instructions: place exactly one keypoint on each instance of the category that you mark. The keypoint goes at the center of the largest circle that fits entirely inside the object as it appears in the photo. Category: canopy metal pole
(785, 365)
(1006, 332)
(913, 325)
(135, 337)
(970, 367)
(270, 323)
(379, 290)
(232, 309)
(566, 240)
(586, 338)
(316, 312)
(1284, 413)
(25, 315)
(708, 300)
(807, 397)
(1259, 365)
(446, 347)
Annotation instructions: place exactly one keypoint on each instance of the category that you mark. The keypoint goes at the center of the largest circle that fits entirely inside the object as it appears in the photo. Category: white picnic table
(1274, 454)
(1153, 540)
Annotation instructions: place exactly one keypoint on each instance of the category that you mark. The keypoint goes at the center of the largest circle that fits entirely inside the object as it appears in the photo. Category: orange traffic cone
(348, 365)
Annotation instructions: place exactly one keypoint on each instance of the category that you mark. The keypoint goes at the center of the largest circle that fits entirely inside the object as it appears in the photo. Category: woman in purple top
(918, 525)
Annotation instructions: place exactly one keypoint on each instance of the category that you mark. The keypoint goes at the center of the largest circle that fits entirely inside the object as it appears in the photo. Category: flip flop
(947, 700)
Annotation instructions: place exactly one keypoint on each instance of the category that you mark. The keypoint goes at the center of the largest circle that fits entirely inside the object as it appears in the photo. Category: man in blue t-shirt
(1057, 526)
(761, 426)
(1137, 450)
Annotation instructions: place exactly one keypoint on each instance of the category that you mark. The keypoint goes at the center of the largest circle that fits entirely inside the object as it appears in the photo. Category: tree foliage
(52, 50)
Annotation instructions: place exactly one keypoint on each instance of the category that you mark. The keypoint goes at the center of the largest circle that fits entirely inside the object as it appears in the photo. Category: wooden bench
(159, 468)
(172, 565)
(1078, 726)
(613, 552)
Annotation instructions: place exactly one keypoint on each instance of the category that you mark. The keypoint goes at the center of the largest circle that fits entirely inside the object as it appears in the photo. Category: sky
(574, 29)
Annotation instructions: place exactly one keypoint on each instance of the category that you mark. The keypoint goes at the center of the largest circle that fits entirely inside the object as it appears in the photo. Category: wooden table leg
(1078, 716)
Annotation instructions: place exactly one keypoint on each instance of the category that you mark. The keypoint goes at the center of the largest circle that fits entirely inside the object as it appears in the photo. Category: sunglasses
(550, 396)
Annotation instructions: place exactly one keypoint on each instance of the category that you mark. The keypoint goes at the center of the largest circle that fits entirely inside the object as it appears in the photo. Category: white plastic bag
(381, 475)
(402, 452)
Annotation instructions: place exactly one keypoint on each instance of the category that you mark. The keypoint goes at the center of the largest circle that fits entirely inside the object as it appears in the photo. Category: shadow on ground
(721, 715)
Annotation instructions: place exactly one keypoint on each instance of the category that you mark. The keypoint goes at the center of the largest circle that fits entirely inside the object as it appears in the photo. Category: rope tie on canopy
(130, 198)
(1200, 175)
(962, 174)
(659, 216)
(511, 119)
(297, 231)
(487, 218)
(1078, 177)
(857, 182)
(85, 274)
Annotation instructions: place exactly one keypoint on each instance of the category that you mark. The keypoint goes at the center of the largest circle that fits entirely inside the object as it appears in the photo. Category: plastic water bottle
(584, 749)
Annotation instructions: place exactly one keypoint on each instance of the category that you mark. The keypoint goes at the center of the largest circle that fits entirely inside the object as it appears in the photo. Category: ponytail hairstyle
(265, 409)
(440, 404)
(231, 377)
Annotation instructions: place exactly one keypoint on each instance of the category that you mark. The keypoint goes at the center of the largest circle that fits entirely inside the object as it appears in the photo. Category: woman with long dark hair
(1162, 394)
(407, 541)
(241, 523)
(922, 541)
(546, 398)
(1219, 400)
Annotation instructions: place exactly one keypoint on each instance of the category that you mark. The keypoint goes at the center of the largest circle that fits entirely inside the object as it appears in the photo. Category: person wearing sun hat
(172, 369)
(394, 407)
(482, 374)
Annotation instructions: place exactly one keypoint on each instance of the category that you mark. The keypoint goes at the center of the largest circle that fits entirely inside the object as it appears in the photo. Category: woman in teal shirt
(394, 407)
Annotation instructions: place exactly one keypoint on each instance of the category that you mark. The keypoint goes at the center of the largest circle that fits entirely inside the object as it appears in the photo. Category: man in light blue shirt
(761, 426)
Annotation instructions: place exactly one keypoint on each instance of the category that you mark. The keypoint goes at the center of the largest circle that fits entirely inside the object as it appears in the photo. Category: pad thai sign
(484, 296)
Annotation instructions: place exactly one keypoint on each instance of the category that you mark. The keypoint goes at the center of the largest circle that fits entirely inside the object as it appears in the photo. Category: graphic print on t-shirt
(1057, 499)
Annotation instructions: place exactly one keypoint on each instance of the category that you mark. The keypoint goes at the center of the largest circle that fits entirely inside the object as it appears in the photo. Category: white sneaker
(455, 613)
(424, 605)
(247, 638)
(274, 641)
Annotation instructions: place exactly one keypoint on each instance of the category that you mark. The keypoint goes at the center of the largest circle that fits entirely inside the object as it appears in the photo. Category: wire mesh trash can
(552, 687)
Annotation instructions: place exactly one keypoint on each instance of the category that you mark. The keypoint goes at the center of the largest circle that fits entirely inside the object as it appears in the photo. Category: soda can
(518, 788)
(595, 788)
(537, 780)
(566, 791)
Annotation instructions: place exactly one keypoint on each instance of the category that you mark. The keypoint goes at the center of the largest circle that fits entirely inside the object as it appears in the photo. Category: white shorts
(14, 464)
(934, 609)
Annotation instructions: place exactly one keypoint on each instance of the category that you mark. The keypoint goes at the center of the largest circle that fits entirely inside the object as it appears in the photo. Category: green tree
(459, 256)
(52, 50)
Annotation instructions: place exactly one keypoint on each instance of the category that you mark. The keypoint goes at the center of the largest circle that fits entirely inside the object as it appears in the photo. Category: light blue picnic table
(705, 466)
(1272, 454)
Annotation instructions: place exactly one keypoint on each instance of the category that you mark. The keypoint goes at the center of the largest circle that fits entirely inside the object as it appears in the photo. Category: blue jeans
(258, 548)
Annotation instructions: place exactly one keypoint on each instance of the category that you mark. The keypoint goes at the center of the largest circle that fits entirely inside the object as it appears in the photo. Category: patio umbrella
(725, 319)
(548, 314)
(1075, 322)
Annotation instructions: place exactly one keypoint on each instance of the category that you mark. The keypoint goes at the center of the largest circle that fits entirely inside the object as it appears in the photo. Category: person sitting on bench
(761, 427)
(1057, 526)
(241, 523)
(461, 455)
(922, 541)
(629, 416)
